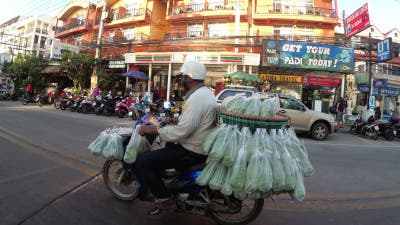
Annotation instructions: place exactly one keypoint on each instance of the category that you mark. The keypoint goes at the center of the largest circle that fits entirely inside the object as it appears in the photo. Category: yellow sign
(280, 78)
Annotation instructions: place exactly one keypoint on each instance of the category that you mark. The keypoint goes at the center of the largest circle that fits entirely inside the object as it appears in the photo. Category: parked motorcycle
(86, 105)
(123, 107)
(370, 129)
(105, 106)
(357, 125)
(26, 99)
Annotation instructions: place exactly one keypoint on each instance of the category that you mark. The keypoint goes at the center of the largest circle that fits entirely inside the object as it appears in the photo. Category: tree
(78, 67)
(26, 69)
(104, 80)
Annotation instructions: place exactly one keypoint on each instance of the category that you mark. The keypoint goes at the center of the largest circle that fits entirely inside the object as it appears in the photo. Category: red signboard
(357, 21)
(321, 81)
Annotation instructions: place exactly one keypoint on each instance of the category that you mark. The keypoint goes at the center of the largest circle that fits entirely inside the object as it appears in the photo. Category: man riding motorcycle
(184, 139)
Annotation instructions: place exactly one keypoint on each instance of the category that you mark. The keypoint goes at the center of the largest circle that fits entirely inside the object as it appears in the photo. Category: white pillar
(149, 81)
(342, 89)
(250, 69)
(244, 68)
(127, 79)
(169, 81)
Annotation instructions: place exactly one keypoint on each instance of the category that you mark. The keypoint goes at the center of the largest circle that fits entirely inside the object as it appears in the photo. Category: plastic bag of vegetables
(253, 106)
(211, 137)
(137, 145)
(268, 108)
(97, 145)
(114, 147)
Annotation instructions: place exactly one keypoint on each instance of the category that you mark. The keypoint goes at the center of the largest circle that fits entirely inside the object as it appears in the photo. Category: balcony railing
(204, 7)
(295, 10)
(206, 35)
(138, 37)
(202, 35)
(73, 25)
(130, 13)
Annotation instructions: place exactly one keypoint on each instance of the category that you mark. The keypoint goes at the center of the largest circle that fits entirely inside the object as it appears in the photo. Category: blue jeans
(150, 165)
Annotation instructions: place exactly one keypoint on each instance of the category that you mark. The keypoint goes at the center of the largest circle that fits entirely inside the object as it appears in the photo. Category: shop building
(213, 27)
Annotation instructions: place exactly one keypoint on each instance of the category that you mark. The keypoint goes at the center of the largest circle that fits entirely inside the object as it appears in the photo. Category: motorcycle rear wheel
(119, 181)
(353, 130)
(254, 208)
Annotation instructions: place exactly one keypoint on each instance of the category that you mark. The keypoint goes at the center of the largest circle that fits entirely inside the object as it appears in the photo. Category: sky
(383, 13)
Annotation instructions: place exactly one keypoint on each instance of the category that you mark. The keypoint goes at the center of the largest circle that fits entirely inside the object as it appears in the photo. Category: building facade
(205, 30)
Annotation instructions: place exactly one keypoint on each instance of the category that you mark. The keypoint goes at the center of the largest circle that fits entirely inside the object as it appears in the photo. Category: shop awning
(51, 69)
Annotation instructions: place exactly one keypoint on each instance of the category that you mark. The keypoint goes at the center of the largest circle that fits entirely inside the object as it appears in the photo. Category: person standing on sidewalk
(341, 107)
(397, 109)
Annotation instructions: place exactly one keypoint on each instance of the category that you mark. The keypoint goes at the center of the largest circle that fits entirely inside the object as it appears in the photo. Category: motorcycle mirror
(167, 105)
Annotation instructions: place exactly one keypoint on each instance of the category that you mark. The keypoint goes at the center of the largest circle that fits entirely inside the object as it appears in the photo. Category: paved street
(47, 177)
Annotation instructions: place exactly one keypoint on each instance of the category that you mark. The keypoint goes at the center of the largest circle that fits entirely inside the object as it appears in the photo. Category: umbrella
(243, 76)
(136, 74)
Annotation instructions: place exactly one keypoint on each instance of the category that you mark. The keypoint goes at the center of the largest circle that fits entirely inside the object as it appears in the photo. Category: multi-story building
(27, 34)
(156, 36)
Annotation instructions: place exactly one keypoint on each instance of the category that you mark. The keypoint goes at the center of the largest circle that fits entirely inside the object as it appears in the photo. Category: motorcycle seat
(176, 172)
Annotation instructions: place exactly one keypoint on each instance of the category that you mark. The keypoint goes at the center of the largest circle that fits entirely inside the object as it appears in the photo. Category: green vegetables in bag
(253, 106)
(238, 178)
(207, 173)
(227, 188)
(252, 173)
(221, 144)
(232, 147)
(98, 144)
(218, 179)
(268, 108)
(211, 137)
(137, 145)
(266, 178)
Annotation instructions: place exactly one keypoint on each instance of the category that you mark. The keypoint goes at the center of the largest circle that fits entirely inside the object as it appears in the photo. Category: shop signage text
(389, 91)
(116, 64)
(280, 78)
(322, 81)
(306, 55)
(357, 21)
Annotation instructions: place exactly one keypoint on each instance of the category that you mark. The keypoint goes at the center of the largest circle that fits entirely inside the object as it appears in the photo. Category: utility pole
(93, 80)
(369, 96)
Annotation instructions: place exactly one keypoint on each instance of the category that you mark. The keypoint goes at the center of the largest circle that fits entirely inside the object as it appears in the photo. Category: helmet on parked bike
(194, 70)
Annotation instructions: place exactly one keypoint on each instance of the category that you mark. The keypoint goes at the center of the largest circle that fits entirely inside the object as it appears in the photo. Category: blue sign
(371, 102)
(306, 55)
(380, 82)
(389, 91)
(363, 87)
(384, 50)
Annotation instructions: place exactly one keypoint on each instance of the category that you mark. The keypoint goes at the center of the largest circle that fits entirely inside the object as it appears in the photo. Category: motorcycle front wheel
(232, 211)
(121, 182)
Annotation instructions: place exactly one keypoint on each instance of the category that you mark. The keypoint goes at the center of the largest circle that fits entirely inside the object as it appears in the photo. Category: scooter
(29, 99)
(370, 129)
(123, 107)
(357, 125)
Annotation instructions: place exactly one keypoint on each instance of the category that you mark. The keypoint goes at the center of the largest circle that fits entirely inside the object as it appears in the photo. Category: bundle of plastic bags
(255, 164)
(254, 106)
(109, 144)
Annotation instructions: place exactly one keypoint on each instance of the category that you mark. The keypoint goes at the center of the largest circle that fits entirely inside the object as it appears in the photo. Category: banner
(305, 55)
(380, 82)
(322, 81)
(358, 21)
(384, 51)
(280, 78)
(389, 91)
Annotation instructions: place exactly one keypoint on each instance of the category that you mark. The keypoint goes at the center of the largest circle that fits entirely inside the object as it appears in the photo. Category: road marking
(55, 158)
(30, 173)
(352, 145)
(51, 149)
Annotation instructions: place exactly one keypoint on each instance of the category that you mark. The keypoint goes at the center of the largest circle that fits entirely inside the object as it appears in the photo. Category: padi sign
(306, 55)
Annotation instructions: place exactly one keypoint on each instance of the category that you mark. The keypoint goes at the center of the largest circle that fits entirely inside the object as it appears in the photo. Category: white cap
(194, 70)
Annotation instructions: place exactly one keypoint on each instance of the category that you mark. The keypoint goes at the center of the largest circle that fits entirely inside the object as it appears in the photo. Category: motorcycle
(370, 129)
(86, 106)
(357, 125)
(123, 107)
(29, 99)
(121, 180)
